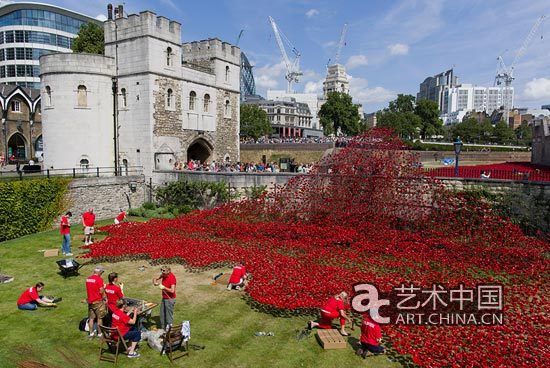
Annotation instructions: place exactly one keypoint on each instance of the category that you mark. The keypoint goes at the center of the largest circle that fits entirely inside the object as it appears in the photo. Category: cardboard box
(331, 339)
(51, 253)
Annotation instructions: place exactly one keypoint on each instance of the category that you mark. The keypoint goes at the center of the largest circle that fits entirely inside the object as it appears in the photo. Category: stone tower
(336, 80)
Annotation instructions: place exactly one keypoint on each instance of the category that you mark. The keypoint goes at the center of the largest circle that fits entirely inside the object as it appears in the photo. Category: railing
(34, 171)
(473, 172)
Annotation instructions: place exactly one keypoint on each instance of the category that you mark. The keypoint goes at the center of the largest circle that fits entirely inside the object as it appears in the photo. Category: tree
(400, 116)
(403, 103)
(471, 131)
(339, 113)
(90, 39)
(524, 134)
(254, 122)
(503, 134)
(428, 112)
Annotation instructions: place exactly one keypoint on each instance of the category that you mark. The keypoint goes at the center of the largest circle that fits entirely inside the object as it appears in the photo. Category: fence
(34, 171)
(535, 175)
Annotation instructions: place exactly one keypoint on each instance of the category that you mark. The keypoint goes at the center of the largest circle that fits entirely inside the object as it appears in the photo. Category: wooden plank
(331, 339)
(51, 252)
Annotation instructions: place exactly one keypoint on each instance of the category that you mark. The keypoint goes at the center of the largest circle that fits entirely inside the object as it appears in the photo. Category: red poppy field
(505, 171)
(368, 214)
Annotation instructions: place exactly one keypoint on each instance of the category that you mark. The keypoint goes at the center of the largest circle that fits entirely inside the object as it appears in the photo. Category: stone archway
(17, 147)
(200, 150)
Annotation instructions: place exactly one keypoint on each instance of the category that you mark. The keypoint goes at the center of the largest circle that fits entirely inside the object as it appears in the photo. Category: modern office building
(248, 86)
(29, 30)
(433, 88)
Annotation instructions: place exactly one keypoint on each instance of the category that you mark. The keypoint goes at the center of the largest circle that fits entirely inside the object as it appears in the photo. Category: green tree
(471, 131)
(403, 103)
(254, 122)
(400, 116)
(503, 134)
(339, 112)
(90, 39)
(428, 112)
(524, 134)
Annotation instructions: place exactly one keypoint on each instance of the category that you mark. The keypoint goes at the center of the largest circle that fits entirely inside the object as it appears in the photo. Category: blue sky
(391, 46)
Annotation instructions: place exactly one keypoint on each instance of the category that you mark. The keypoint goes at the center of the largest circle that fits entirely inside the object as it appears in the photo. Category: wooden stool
(331, 339)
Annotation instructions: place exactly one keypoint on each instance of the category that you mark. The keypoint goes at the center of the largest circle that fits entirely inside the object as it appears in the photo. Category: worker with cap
(334, 308)
(95, 290)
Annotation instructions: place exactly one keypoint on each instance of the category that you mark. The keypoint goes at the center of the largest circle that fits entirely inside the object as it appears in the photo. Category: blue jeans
(66, 244)
(28, 306)
(375, 349)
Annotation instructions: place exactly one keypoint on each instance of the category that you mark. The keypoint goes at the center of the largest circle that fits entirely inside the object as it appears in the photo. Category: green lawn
(220, 320)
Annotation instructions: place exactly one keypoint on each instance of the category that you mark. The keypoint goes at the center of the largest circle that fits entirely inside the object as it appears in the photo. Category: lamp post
(115, 121)
(458, 147)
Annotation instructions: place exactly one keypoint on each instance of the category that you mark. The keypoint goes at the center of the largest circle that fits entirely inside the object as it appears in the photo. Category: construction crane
(341, 43)
(293, 72)
(239, 37)
(505, 74)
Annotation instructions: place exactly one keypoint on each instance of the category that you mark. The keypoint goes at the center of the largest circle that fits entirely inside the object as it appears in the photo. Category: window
(16, 106)
(48, 96)
(227, 109)
(169, 98)
(169, 56)
(10, 54)
(10, 70)
(227, 73)
(124, 98)
(20, 70)
(206, 102)
(192, 97)
(81, 96)
(84, 165)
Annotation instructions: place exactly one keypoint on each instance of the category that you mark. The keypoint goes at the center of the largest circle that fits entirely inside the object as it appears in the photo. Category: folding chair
(173, 341)
(113, 339)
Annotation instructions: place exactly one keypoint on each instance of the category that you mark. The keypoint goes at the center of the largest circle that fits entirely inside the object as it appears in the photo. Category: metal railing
(535, 175)
(26, 172)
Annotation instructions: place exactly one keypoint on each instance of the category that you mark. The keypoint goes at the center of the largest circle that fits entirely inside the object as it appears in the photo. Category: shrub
(29, 206)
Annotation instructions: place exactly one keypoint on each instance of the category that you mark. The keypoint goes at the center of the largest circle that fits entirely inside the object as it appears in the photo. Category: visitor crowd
(338, 141)
(248, 167)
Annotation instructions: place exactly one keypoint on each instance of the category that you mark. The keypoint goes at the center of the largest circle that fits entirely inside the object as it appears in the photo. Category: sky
(390, 46)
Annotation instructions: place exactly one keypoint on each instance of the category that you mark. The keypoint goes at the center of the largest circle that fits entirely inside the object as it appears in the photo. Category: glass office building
(29, 30)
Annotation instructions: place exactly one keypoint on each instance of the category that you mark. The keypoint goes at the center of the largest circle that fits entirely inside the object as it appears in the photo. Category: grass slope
(220, 320)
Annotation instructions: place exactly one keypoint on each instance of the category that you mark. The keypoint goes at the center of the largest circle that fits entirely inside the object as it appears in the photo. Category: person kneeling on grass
(127, 326)
(238, 277)
(30, 300)
(371, 334)
(333, 308)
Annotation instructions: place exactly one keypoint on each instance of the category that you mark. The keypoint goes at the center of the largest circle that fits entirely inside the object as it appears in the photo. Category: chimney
(110, 12)
(120, 11)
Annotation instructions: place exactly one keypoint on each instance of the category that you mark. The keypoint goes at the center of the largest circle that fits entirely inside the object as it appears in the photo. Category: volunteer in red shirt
(65, 230)
(30, 299)
(126, 326)
(88, 221)
(167, 283)
(237, 278)
(96, 300)
(371, 334)
(120, 217)
(333, 308)
(114, 291)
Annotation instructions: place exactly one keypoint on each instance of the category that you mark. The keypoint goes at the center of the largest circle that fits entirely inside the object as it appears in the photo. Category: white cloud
(268, 76)
(314, 87)
(360, 91)
(101, 17)
(398, 49)
(537, 88)
(356, 61)
(312, 12)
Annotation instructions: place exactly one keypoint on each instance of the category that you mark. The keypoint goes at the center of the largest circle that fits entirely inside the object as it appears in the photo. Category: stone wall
(106, 195)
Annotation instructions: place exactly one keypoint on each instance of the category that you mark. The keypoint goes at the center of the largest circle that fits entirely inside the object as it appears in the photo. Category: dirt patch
(32, 364)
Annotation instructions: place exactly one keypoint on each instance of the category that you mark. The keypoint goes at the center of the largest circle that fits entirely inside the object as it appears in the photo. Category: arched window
(84, 165)
(124, 97)
(206, 102)
(125, 166)
(227, 109)
(169, 98)
(227, 73)
(192, 98)
(48, 96)
(169, 56)
(39, 144)
(81, 96)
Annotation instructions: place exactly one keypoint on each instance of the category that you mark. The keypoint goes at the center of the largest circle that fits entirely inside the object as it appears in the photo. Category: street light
(458, 147)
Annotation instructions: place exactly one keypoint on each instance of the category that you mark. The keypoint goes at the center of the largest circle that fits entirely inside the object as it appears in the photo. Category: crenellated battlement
(209, 49)
(146, 23)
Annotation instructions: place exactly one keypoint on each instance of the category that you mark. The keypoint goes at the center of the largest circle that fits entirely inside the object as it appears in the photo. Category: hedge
(30, 206)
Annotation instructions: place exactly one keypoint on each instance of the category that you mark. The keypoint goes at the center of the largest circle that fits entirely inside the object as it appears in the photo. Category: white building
(174, 102)
(457, 101)
(310, 99)
(336, 80)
